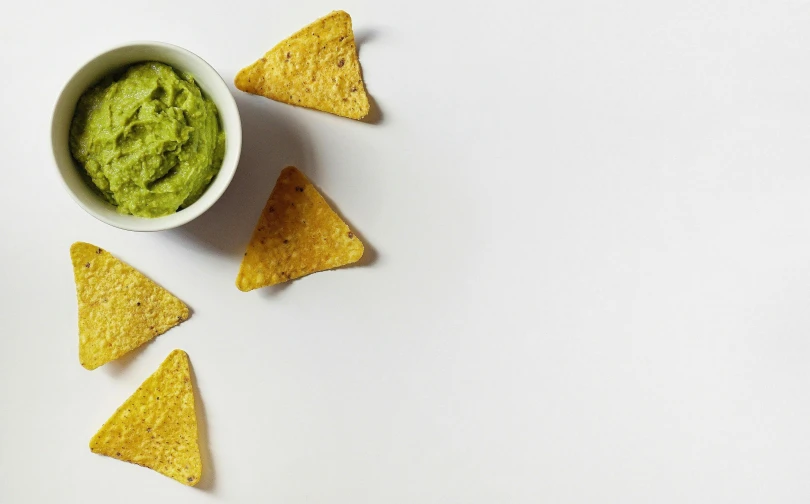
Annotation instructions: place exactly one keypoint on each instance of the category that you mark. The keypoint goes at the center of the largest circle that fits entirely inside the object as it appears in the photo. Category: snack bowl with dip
(73, 175)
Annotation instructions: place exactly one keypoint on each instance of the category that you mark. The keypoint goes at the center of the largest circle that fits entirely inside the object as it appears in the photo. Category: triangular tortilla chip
(316, 68)
(157, 426)
(297, 234)
(119, 308)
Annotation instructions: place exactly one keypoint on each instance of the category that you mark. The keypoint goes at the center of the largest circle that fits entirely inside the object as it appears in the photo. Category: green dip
(148, 138)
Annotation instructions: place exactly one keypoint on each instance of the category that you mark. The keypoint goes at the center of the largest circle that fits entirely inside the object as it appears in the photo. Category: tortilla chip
(119, 308)
(297, 234)
(157, 426)
(316, 68)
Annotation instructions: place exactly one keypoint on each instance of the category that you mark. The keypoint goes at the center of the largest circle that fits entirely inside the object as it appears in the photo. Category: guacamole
(148, 138)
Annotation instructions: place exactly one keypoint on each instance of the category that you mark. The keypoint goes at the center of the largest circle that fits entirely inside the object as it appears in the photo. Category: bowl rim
(233, 139)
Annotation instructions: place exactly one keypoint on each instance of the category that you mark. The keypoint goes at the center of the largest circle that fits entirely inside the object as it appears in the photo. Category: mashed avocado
(148, 138)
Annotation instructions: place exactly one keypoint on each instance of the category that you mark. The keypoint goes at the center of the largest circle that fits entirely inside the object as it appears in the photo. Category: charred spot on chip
(341, 62)
(271, 209)
(191, 478)
(351, 235)
(288, 55)
(98, 251)
(138, 303)
(286, 241)
(299, 188)
(86, 265)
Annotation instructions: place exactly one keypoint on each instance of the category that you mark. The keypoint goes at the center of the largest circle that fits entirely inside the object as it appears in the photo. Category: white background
(587, 228)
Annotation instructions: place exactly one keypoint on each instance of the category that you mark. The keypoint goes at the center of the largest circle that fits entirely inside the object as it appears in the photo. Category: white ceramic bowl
(102, 65)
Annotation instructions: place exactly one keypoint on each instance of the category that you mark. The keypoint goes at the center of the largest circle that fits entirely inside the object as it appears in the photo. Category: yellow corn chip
(157, 426)
(316, 68)
(297, 234)
(119, 308)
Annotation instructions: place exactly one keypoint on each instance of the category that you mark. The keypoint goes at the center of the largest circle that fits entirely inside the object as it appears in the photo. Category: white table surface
(587, 275)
